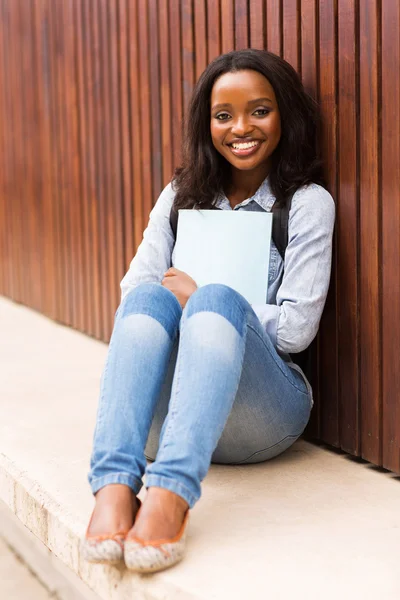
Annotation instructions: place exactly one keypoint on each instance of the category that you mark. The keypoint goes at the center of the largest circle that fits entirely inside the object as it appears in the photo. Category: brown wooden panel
(176, 80)
(75, 256)
(309, 46)
(390, 235)
(83, 142)
(99, 206)
(291, 33)
(188, 73)
(309, 71)
(370, 331)
(124, 95)
(241, 24)
(227, 25)
(136, 122)
(165, 93)
(30, 198)
(213, 29)
(145, 110)
(257, 24)
(200, 37)
(113, 144)
(274, 26)
(6, 223)
(44, 172)
(154, 58)
(347, 228)
(88, 124)
(16, 116)
(328, 359)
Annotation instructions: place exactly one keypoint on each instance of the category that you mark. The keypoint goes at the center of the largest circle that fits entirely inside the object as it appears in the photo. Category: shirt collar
(263, 197)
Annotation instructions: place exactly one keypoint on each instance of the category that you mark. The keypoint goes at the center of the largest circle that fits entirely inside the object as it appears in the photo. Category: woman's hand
(180, 284)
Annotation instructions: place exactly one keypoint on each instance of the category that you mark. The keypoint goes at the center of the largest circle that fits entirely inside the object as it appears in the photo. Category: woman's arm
(293, 322)
(153, 257)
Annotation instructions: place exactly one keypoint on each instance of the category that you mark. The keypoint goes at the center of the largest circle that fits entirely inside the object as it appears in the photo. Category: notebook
(228, 247)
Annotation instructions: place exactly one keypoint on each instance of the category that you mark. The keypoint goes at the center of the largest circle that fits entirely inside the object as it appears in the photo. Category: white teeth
(244, 146)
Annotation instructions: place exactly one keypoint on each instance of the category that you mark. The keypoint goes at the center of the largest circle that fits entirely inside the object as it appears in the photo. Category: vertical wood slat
(257, 24)
(328, 386)
(91, 105)
(347, 225)
(88, 121)
(370, 309)
(188, 75)
(125, 125)
(7, 256)
(156, 125)
(75, 256)
(16, 115)
(390, 235)
(165, 92)
(83, 141)
(213, 29)
(274, 26)
(200, 37)
(291, 30)
(227, 25)
(55, 174)
(241, 24)
(309, 70)
(176, 79)
(145, 103)
(44, 134)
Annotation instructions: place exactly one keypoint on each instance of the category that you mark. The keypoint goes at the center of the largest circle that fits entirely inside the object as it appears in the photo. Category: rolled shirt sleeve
(293, 322)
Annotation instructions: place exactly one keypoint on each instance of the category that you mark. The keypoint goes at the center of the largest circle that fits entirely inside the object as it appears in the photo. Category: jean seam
(171, 416)
(176, 484)
(306, 393)
(137, 483)
(295, 437)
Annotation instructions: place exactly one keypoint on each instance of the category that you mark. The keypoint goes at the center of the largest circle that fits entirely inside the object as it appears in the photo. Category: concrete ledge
(311, 523)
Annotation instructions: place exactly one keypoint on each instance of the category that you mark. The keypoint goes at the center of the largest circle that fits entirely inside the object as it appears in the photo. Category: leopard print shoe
(149, 557)
(104, 549)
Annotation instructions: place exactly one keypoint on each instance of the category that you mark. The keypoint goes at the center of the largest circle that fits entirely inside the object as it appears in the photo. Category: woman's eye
(222, 116)
(262, 112)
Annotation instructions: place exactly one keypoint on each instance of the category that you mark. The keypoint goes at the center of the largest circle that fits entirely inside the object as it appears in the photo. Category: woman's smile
(245, 148)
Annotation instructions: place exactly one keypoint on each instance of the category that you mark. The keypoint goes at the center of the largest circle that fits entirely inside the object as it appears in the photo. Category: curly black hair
(204, 172)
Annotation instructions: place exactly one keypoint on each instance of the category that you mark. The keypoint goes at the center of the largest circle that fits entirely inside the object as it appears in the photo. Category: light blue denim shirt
(296, 291)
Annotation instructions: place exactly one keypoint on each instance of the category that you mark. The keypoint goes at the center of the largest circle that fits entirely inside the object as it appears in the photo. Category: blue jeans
(199, 385)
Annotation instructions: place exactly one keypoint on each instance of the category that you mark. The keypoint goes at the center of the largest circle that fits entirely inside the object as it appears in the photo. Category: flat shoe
(143, 556)
(104, 549)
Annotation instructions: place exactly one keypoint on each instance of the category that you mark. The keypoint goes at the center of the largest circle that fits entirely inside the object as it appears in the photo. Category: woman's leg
(144, 333)
(233, 398)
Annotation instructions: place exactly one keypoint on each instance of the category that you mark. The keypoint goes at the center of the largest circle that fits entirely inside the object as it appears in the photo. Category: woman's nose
(241, 127)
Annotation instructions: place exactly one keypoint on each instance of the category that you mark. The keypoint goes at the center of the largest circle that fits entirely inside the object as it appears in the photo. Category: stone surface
(16, 580)
(311, 523)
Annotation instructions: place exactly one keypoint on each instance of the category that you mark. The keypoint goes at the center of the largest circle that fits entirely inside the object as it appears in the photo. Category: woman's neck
(244, 184)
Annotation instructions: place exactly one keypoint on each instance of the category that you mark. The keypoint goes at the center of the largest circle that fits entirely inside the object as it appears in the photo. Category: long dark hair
(204, 172)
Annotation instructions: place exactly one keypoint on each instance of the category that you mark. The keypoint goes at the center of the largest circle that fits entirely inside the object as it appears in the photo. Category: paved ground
(16, 581)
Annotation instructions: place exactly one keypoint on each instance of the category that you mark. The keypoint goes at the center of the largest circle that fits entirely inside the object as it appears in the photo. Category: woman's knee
(220, 299)
(153, 300)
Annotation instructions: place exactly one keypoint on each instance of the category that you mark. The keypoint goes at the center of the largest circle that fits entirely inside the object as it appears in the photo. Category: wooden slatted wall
(92, 95)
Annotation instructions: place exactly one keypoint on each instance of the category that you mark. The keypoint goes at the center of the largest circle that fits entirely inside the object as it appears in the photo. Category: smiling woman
(245, 130)
(195, 375)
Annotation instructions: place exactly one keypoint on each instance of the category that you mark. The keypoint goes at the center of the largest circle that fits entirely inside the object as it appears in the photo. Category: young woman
(197, 375)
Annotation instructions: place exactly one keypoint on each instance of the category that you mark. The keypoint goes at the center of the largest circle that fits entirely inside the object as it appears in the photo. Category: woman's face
(245, 120)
